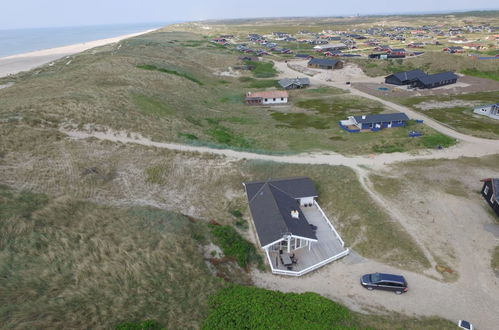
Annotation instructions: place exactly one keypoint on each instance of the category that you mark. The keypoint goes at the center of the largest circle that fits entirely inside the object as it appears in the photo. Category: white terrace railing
(309, 269)
(329, 223)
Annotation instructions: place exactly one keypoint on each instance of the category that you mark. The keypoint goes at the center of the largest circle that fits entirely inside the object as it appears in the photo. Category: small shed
(490, 191)
(324, 63)
(294, 83)
(490, 110)
(267, 98)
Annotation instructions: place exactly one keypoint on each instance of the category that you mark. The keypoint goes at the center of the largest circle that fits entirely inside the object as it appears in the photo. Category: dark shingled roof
(408, 75)
(323, 61)
(285, 82)
(381, 118)
(271, 203)
(437, 77)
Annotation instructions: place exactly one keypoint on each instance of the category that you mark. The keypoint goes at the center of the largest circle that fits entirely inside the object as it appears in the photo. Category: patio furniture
(286, 259)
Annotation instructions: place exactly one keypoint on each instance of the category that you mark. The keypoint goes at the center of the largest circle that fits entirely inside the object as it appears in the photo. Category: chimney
(295, 214)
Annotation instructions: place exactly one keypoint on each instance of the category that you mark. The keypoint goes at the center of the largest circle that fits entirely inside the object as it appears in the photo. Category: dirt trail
(467, 149)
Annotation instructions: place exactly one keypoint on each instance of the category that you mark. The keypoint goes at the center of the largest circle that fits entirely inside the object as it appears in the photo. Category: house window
(486, 190)
(266, 100)
(273, 99)
(282, 98)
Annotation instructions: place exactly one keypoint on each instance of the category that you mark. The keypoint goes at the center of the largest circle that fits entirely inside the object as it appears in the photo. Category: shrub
(234, 245)
(142, 325)
(242, 307)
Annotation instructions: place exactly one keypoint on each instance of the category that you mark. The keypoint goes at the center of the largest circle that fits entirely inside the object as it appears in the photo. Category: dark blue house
(404, 78)
(435, 80)
(376, 122)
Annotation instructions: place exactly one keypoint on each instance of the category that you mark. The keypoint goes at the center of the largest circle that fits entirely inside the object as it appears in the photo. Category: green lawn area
(460, 118)
(240, 307)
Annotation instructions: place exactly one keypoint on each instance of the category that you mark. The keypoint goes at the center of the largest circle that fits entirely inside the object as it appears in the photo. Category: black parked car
(389, 282)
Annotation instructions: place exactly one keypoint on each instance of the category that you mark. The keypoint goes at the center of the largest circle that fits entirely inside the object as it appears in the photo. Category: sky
(53, 13)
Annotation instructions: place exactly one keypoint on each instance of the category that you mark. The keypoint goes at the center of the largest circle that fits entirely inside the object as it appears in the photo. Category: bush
(242, 307)
(234, 245)
(142, 325)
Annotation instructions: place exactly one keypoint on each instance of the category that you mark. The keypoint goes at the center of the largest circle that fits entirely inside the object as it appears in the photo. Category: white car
(465, 325)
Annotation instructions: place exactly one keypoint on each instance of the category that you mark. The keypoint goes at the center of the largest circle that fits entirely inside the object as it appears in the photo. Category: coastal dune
(27, 61)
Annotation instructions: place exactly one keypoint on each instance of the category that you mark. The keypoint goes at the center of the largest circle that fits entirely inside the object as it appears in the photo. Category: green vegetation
(142, 325)
(263, 69)
(437, 139)
(234, 245)
(226, 136)
(432, 61)
(459, 117)
(495, 260)
(68, 263)
(261, 83)
(113, 87)
(494, 75)
(152, 106)
(387, 186)
(177, 73)
(241, 307)
(299, 121)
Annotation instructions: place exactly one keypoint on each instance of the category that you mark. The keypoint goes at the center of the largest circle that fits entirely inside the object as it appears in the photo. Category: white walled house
(267, 98)
(490, 110)
(290, 226)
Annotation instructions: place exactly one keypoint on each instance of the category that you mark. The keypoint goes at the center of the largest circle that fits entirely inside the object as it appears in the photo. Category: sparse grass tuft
(495, 260)
(437, 139)
(494, 75)
(185, 75)
(67, 263)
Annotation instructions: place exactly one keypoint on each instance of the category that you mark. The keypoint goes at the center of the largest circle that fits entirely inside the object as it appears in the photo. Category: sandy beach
(27, 61)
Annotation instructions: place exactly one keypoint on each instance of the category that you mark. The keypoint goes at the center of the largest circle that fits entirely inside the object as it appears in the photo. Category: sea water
(27, 40)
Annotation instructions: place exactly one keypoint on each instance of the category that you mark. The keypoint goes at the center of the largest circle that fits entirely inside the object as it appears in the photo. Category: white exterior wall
(306, 200)
(487, 110)
(277, 100)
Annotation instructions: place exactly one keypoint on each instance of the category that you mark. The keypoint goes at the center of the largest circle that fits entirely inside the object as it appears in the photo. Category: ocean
(20, 41)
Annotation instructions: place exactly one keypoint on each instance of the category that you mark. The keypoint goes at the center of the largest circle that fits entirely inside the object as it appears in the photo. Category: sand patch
(446, 104)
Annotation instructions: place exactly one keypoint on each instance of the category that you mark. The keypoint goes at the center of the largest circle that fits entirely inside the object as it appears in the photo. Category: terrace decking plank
(327, 246)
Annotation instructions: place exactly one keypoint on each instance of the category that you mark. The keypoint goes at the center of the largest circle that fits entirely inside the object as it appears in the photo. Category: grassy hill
(177, 86)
